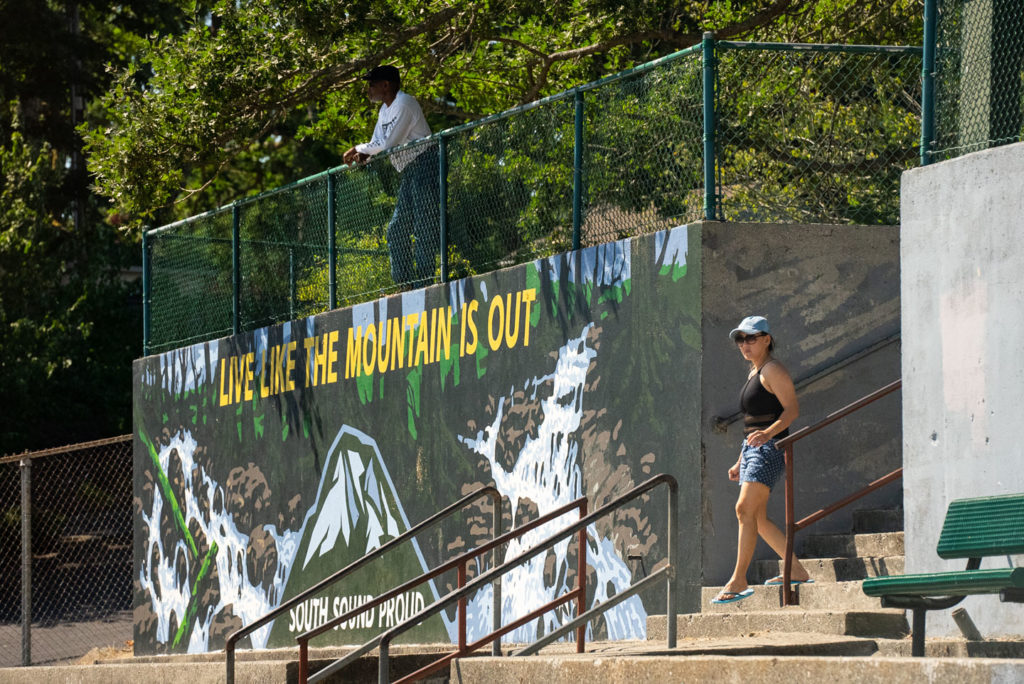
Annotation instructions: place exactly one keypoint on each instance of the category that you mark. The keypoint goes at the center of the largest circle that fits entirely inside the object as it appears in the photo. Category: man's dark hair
(385, 72)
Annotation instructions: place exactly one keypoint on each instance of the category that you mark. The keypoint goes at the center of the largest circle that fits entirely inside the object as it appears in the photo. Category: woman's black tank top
(760, 407)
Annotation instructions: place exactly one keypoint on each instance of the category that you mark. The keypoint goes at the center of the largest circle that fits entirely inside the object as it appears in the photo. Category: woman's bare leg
(750, 508)
(771, 533)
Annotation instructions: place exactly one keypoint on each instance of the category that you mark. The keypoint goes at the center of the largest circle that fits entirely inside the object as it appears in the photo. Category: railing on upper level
(723, 130)
(792, 527)
(492, 492)
(458, 596)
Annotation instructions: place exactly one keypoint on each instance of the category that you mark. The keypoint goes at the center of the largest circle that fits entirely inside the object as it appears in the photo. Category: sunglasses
(743, 339)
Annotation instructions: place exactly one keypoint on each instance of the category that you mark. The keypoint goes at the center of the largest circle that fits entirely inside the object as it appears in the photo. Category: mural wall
(268, 460)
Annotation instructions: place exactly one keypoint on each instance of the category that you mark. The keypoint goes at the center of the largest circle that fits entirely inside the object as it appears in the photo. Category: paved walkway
(64, 642)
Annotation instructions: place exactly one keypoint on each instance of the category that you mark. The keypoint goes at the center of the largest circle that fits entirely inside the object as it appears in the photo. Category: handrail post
(581, 583)
(787, 562)
(577, 171)
(708, 54)
(303, 662)
(383, 666)
(462, 608)
(496, 585)
(442, 205)
(236, 276)
(229, 659)
(332, 244)
(670, 551)
(147, 284)
(928, 83)
(26, 561)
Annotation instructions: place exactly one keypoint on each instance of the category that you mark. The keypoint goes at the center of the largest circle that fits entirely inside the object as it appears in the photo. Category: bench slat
(983, 526)
(959, 583)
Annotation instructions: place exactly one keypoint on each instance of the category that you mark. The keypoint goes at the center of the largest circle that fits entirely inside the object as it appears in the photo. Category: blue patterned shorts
(762, 464)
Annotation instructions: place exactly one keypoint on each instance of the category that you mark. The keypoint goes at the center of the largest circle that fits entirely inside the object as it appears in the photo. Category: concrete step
(885, 623)
(770, 669)
(834, 596)
(251, 672)
(875, 545)
(271, 666)
(954, 648)
(878, 520)
(833, 569)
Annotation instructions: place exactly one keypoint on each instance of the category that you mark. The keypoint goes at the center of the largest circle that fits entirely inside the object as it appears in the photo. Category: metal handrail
(229, 646)
(459, 562)
(668, 573)
(579, 623)
(786, 443)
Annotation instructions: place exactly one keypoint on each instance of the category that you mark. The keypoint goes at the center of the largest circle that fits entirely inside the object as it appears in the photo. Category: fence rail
(65, 551)
(724, 130)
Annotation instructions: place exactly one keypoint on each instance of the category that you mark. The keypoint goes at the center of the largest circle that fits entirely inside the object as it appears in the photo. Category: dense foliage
(69, 306)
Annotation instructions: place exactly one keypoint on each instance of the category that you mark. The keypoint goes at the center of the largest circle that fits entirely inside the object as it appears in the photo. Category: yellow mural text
(410, 340)
(238, 380)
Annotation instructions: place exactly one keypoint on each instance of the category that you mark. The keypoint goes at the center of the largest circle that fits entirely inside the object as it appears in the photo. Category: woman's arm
(776, 380)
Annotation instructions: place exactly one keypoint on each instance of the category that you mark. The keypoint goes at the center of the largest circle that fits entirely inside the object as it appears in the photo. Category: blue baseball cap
(751, 325)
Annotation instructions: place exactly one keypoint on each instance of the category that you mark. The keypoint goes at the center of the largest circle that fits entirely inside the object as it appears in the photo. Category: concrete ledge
(291, 653)
(765, 669)
(890, 624)
(830, 596)
(954, 648)
(867, 545)
(272, 666)
(835, 569)
(152, 673)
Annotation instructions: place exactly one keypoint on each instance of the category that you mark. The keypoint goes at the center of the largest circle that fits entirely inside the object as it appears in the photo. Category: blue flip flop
(777, 581)
(736, 596)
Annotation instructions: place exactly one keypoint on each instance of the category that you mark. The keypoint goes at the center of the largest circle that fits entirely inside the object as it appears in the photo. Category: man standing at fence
(414, 226)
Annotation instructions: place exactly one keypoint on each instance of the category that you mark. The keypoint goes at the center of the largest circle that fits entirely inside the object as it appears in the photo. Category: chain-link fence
(978, 70)
(818, 134)
(76, 579)
(741, 131)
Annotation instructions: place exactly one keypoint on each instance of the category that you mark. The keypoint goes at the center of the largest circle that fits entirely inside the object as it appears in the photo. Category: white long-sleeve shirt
(397, 124)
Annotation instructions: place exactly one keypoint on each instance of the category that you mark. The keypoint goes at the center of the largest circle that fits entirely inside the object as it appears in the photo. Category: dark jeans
(413, 232)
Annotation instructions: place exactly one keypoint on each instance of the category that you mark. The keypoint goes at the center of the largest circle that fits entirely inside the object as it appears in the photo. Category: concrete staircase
(833, 604)
(835, 634)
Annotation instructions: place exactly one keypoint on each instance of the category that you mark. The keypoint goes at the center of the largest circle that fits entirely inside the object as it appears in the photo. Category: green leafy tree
(69, 305)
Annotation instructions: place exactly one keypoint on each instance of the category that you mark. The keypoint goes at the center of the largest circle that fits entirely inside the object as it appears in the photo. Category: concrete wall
(829, 292)
(963, 368)
(266, 461)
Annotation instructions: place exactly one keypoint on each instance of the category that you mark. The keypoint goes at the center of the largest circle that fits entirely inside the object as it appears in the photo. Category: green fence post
(928, 83)
(332, 245)
(146, 294)
(577, 172)
(708, 54)
(292, 295)
(236, 275)
(442, 208)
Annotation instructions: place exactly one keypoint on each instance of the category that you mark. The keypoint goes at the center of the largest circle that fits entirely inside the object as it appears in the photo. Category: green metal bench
(974, 529)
